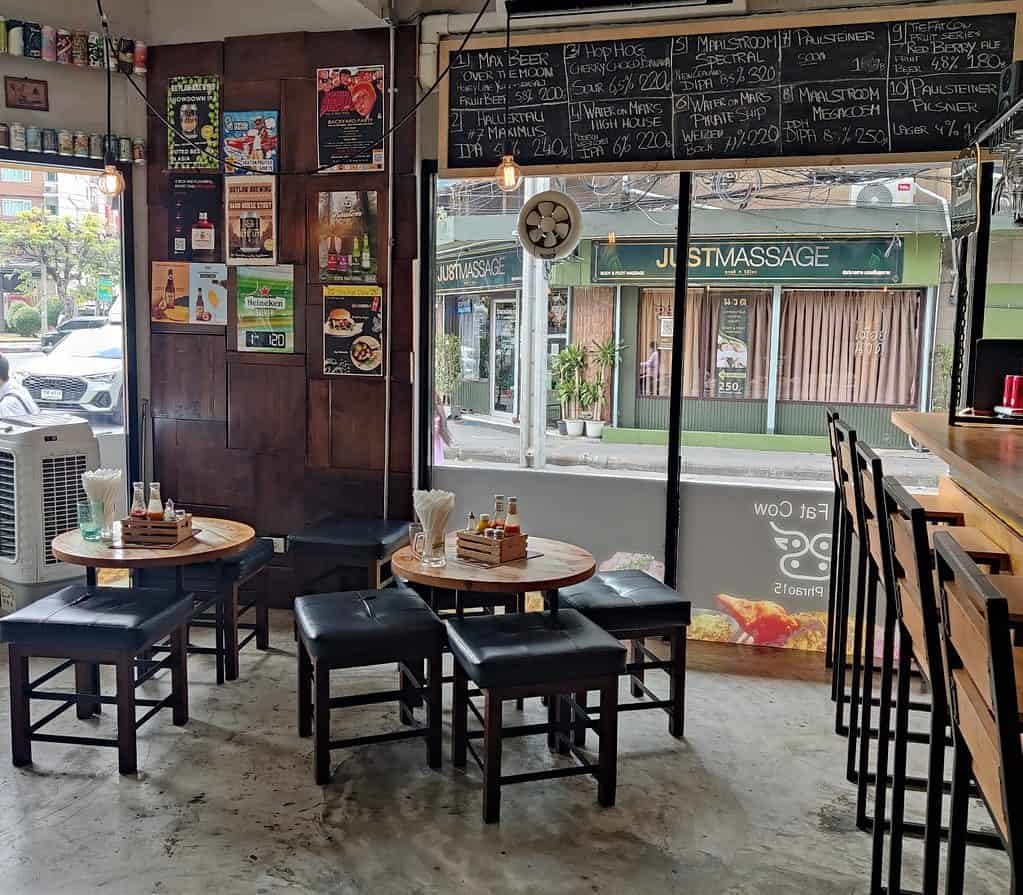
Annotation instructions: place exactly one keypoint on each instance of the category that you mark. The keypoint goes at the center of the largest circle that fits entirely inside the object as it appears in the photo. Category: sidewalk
(12, 343)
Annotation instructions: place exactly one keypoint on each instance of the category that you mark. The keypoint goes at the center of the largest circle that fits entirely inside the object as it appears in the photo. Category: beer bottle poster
(195, 231)
(346, 237)
(193, 110)
(251, 219)
(354, 332)
(266, 309)
(207, 294)
(251, 140)
(732, 358)
(350, 118)
(169, 292)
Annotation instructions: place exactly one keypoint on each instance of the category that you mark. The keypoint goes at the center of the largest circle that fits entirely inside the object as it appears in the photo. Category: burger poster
(193, 110)
(350, 118)
(354, 333)
(266, 309)
(346, 237)
(251, 219)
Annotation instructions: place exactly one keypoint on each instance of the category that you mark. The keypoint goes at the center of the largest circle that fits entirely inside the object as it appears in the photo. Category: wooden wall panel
(291, 221)
(356, 436)
(270, 56)
(298, 120)
(266, 408)
(188, 376)
(318, 424)
(247, 96)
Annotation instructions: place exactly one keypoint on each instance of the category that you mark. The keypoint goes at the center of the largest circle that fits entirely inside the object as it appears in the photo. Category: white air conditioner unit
(883, 193)
(42, 458)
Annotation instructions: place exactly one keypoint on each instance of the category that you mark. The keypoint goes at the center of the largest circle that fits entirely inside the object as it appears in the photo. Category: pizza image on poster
(354, 334)
(350, 118)
(193, 110)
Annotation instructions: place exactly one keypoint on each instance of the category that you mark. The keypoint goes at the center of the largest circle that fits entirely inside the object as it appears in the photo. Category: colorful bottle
(512, 526)
(203, 237)
(155, 509)
(499, 517)
(342, 263)
(483, 524)
(365, 260)
(200, 307)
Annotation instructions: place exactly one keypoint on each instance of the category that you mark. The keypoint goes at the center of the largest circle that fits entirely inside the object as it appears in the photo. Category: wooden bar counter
(985, 478)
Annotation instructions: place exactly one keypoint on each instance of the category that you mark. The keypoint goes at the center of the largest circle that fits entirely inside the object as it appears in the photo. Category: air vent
(8, 508)
(62, 490)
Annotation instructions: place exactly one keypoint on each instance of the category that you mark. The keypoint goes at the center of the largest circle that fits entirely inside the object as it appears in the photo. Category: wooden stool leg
(127, 752)
(321, 723)
(520, 606)
(218, 636)
(86, 681)
(579, 735)
(305, 692)
(262, 627)
(179, 676)
(231, 659)
(607, 781)
(434, 709)
(677, 683)
(21, 741)
(637, 657)
(492, 756)
(459, 717)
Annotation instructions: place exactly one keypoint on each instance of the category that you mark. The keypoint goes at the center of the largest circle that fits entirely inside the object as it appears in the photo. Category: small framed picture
(26, 93)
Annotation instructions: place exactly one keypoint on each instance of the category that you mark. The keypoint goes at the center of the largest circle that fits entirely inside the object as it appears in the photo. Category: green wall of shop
(1003, 313)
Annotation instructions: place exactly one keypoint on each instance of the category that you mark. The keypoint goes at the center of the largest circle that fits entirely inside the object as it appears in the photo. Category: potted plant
(567, 370)
(568, 393)
(447, 369)
(605, 357)
(589, 395)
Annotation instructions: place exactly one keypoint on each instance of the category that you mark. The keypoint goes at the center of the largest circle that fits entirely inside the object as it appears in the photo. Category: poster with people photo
(194, 227)
(193, 110)
(266, 309)
(346, 235)
(350, 118)
(251, 219)
(251, 140)
(207, 294)
(354, 333)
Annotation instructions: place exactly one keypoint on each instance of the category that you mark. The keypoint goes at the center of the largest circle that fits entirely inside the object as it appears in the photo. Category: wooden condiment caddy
(139, 532)
(476, 547)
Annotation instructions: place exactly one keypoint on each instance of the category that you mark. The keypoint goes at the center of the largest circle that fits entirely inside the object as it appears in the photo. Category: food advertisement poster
(732, 357)
(193, 110)
(350, 118)
(251, 140)
(195, 228)
(169, 292)
(354, 332)
(266, 309)
(346, 235)
(207, 294)
(251, 219)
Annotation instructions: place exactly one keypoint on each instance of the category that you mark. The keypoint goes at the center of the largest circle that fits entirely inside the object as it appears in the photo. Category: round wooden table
(559, 565)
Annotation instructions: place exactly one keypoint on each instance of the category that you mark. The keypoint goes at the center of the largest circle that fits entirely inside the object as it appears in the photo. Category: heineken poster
(169, 292)
(266, 309)
(346, 237)
(732, 355)
(207, 294)
(350, 118)
(353, 331)
(251, 141)
(193, 110)
(251, 219)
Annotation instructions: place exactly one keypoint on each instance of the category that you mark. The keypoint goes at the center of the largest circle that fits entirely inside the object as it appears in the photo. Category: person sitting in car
(14, 399)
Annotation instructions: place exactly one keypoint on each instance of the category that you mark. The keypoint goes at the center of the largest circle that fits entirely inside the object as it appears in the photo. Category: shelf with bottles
(81, 49)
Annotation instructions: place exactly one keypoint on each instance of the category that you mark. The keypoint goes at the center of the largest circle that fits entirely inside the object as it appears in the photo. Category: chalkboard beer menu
(890, 87)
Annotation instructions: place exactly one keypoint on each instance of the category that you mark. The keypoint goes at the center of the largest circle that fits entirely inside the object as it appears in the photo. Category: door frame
(494, 302)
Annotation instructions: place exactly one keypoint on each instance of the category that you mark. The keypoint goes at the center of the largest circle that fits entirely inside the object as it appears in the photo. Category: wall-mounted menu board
(843, 89)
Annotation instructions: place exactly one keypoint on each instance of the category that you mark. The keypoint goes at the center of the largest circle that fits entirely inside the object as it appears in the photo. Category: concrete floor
(753, 801)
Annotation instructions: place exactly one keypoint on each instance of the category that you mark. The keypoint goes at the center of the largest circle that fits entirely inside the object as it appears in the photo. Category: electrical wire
(353, 154)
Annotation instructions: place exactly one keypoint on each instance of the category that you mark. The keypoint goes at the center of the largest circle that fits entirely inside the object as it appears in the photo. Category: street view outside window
(61, 301)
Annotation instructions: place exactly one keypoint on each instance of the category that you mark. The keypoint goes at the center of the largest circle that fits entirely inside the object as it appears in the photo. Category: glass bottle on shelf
(512, 526)
(138, 500)
(365, 257)
(498, 521)
(155, 510)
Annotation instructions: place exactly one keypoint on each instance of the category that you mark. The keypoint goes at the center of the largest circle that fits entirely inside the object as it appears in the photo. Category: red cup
(1016, 399)
(1007, 390)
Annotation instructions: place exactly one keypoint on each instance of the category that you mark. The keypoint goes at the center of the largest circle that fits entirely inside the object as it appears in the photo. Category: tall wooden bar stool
(89, 626)
(359, 628)
(553, 654)
(980, 676)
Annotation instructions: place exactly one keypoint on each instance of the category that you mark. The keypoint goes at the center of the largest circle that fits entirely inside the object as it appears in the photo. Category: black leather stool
(353, 543)
(367, 627)
(632, 605)
(216, 586)
(552, 654)
(89, 627)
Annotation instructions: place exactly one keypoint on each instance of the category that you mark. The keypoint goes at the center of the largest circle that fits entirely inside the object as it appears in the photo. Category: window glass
(15, 175)
(11, 207)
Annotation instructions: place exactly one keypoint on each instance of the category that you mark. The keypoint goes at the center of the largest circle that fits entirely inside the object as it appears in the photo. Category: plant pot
(574, 428)
(594, 428)
(561, 428)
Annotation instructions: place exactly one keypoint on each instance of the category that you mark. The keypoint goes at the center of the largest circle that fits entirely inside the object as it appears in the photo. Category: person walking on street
(14, 399)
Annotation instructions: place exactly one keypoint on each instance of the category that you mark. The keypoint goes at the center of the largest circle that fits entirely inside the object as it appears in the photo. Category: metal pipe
(388, 322)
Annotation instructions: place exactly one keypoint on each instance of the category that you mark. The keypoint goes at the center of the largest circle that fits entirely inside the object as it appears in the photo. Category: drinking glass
(427, 553)
(88, 524)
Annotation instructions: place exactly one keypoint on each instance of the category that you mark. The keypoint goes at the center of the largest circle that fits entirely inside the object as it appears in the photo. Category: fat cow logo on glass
(803, 558)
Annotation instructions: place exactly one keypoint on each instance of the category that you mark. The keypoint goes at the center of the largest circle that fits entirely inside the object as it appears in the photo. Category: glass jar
(155, 510)
(138, 500)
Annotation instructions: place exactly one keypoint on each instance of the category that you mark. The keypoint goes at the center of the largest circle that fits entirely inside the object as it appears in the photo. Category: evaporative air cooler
(42, 458)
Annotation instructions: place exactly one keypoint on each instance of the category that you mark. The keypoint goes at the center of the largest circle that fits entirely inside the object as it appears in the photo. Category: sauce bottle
(138, 500)
(498, 511)
(155, 510)
(511, 524)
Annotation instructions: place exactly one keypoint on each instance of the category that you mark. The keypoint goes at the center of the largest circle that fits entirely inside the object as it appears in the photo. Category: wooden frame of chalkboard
(624, 127)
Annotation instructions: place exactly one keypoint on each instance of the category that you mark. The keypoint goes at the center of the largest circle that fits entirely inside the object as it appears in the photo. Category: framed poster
(266, 309)
(207, 294)
(251, 139)
(346, 237)
(732, 355)
(26, 93)
(169, 292)
(350, 118)
(193, 108)
(354, 332)
(194, 228)
(251, 219)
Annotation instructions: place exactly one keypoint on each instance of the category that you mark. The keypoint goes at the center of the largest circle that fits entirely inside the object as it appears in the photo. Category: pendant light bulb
(111, 181)
(508, 174)
(612, 238)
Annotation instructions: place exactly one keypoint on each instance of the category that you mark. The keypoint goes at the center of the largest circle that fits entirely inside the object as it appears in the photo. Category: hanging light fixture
(111, 181)
(612, 238)
(508, 174)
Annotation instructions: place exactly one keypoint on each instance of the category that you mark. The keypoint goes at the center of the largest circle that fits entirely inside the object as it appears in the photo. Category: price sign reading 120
(265, 339)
